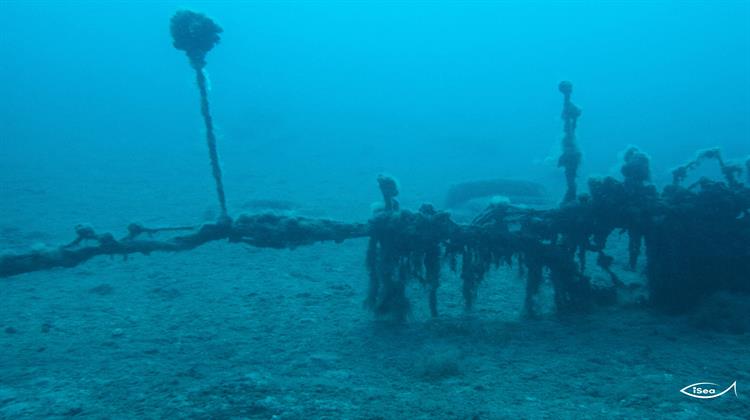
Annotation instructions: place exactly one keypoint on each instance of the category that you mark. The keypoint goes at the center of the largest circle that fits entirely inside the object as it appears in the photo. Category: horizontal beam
(264, 230)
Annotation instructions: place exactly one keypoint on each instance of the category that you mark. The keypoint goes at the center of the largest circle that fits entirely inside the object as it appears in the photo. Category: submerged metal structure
(696, 237)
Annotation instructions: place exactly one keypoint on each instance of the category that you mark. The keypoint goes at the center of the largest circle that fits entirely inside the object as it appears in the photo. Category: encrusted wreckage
(696, 237)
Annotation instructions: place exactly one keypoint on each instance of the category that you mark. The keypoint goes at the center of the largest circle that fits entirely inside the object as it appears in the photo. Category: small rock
(324, 360)
(268, 404)
(667, 406)
(167, 293)
(17, 410)
(102, 290)
(256, 380)
(7, 395)
(658, 377)
(73, 412)
(337, 375)
(636, 400)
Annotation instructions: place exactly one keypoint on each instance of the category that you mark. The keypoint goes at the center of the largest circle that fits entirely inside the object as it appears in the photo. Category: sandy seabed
(228, 331)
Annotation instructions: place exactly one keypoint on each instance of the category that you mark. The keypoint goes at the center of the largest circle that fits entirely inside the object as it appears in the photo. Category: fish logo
(707, 390)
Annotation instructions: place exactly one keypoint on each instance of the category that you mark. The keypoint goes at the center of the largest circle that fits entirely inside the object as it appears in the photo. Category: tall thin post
(570, 158)
(196, 34)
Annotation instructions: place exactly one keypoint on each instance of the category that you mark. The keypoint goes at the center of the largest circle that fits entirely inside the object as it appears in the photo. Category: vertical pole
(211, 140)
(570, 158)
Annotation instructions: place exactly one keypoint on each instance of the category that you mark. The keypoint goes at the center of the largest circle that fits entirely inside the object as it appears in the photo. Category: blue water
(100, 123)
(409, 87)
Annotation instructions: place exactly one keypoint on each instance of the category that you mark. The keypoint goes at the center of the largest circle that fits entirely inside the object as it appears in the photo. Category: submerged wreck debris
(637, 173)
(389, 188)
(196, 34)
(697, 242)
(701, 242)
(730, 172)
(570, 158)
(262, 230)
(697, 238)
(403, 245)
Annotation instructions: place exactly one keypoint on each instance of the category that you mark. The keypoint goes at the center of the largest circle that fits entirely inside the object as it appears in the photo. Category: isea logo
(707, 390)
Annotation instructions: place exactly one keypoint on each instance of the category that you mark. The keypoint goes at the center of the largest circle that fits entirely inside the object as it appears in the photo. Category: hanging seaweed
(482, 245)
(403, 246)
(700, 244)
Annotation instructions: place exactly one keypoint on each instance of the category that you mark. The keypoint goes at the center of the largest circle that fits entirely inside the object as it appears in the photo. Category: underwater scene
(375, 209)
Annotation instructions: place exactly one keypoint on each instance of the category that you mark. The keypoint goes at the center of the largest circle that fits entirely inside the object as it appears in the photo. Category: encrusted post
(403, 246)
(389, 189)
(196, 34)
(637, 172)
(387, 289)
(570, 158)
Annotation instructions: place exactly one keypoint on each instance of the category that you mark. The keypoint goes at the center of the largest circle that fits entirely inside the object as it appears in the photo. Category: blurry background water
(324, 95)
